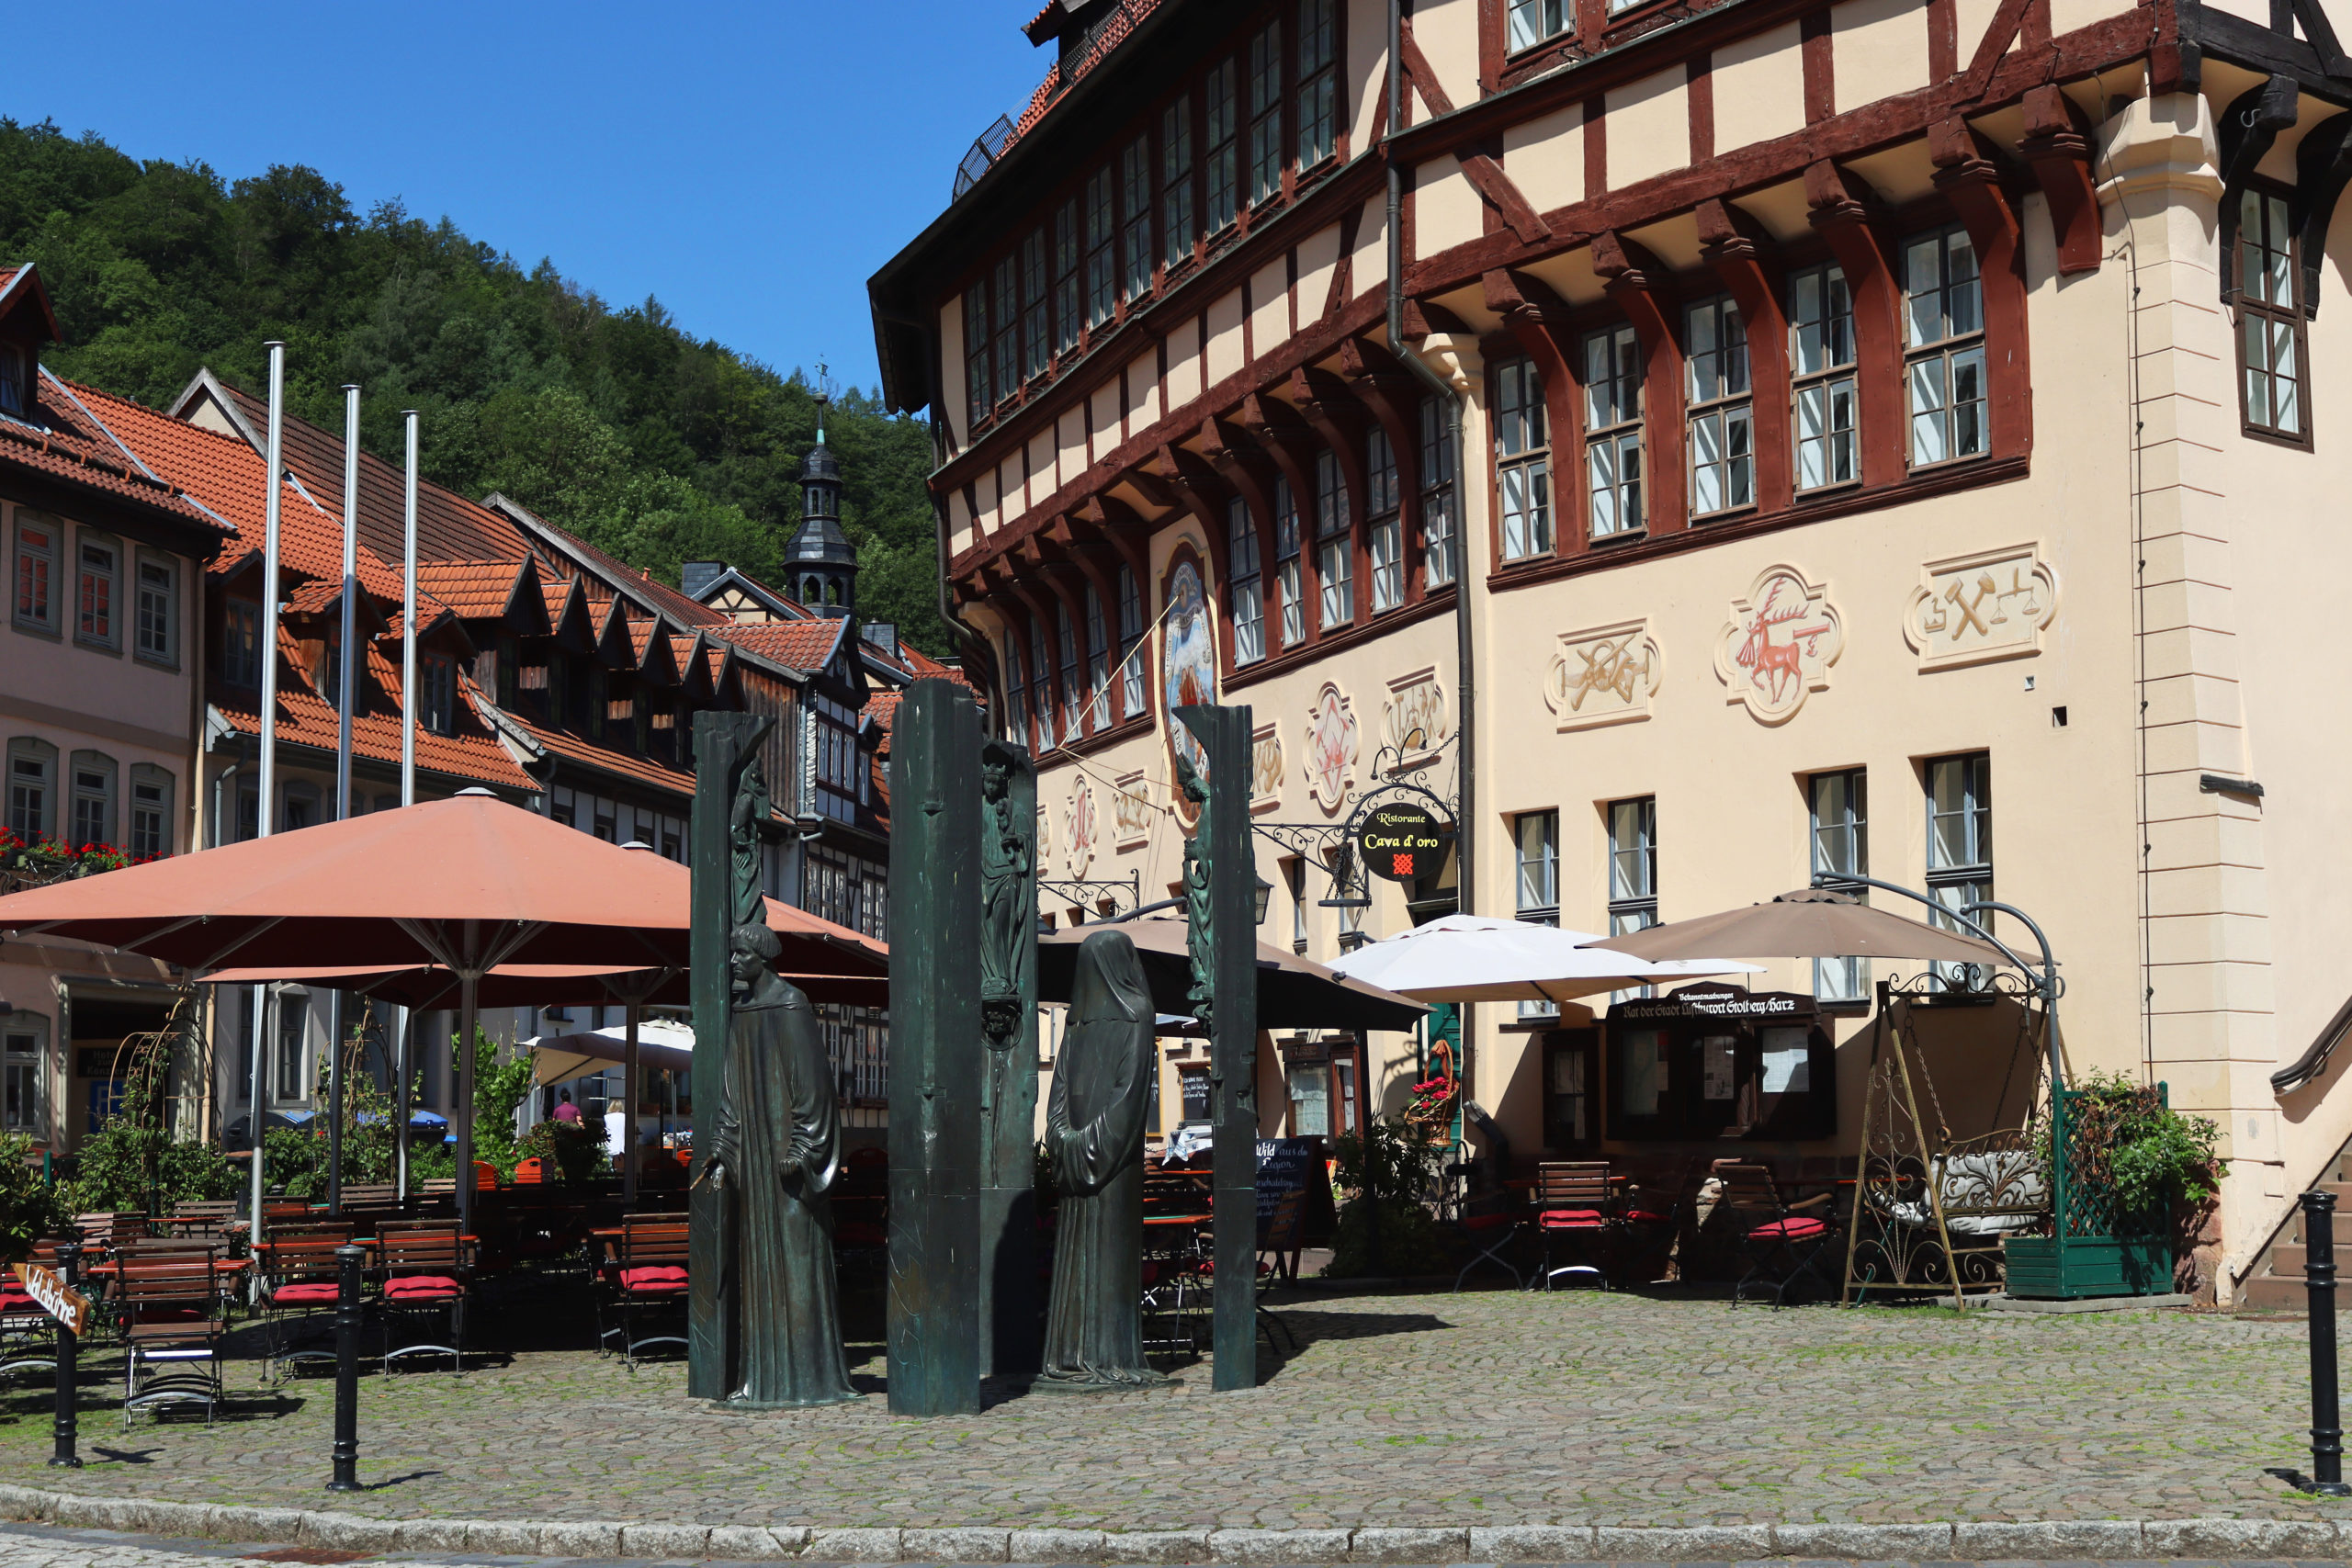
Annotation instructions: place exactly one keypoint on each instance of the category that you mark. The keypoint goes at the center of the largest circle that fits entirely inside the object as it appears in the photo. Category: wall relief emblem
(1779, 644)
(1604, 675)
(1331, 747)
(1415, 720)
(1265, 768)
(1045, 832)
(1131, 811)
(1975, 609)
(1082, 828)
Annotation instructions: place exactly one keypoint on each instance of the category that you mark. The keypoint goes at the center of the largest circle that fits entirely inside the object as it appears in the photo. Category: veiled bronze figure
(777, 1142)
(1102, 1099)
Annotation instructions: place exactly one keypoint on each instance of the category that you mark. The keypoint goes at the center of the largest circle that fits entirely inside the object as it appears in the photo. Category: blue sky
(749, 163)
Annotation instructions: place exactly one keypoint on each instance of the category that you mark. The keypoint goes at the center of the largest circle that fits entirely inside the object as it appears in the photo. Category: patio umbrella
(469, 883)
(1292, 992)
(1482, 958)
(562, 1058)
(1811, 922)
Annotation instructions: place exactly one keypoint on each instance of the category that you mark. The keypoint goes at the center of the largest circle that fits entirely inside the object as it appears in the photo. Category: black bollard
(2319, 1279)
(346, 1369)
(68, 1356)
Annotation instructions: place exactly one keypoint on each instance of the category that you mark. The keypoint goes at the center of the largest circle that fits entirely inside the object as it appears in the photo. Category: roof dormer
(27, 324)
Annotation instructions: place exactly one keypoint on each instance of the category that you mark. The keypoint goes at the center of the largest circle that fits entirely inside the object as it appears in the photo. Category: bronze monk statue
(778, 1145)
(1102, 1094)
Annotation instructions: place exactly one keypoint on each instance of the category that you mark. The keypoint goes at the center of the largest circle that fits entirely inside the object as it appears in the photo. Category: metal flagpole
(274, 483)
(344, 687)
(408, 623)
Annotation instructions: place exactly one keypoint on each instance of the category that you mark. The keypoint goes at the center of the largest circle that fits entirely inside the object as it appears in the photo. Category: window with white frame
(1097, 660)
(1943, 326)
(1535, 837)
(1176, 182)
(23, 1049)
(1073, 680)
(1384, 521)
(1136, 186)
(1294, 878)
(1223, 163)
(1319, 83)
(1841, 847)
(1287, 581)
(35, 571)
(1244, 587)
(157, 637)
(32, 789)
(1633, 873)
(151, 812)
(1960, 845)
(1102, 249)
(1523, 460)
(1266, 113)
(1133, 696)
(2270, 316)
(1821, 362)
(1438, 529)
(1612, 419)
(1532, 21)
(1069, 278)
(1334, 543)
(100, 564)
(1722, 419)
(94, 778)
(1041, 690)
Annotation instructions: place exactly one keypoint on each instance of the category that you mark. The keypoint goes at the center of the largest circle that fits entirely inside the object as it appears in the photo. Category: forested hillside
(614, 422)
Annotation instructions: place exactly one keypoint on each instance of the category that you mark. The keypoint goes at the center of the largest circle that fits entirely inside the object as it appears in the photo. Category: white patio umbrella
(1482, 958)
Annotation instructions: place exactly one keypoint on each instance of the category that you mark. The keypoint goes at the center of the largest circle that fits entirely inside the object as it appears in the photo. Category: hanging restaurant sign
(1714, 1002)
(1400, 841)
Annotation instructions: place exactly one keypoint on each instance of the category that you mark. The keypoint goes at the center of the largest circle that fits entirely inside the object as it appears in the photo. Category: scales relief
(1978, 608)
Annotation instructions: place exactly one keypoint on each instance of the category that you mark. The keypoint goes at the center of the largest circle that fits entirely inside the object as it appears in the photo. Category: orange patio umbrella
(469, 883)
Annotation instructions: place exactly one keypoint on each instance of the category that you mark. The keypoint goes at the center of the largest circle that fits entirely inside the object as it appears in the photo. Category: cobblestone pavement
(1483, 1409)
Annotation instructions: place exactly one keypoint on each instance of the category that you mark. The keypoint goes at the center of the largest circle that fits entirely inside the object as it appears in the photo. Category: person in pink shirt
(565, 1110)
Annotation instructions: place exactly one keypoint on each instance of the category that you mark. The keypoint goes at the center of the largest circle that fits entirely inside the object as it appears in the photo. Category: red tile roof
(68, 440)
(796, 645)
(658, 597)
(1115, 28)
(621, 764)
(477, 590)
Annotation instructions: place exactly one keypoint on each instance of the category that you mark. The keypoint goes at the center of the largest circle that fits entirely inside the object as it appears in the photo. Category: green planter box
(2090, 1266)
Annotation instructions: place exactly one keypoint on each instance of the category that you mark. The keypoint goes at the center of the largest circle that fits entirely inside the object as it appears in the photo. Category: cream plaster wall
(1185, 363)
(1226, 351)
(1970, 18)
(1367, 67)
(1649, 128)
(1546, 158)
(1270, 306)
(1071, 432)
(1143, 392)
(1103, 406)
(1447, 31)
(1879, 49)
(1446, 210)
(2066, 15)
(1759, 88)
(1318, 258)
(1369, 267)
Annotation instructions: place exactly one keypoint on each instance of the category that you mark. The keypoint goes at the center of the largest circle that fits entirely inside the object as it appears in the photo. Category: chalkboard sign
(1284, 1165)
(1196, 1096)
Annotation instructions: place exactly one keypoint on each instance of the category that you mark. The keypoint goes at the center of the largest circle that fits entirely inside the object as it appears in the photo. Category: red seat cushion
(422, 1287)
(1573, 1219)
(1793, 1229)
(653, 1276)
(1484, 1222)
(314, 1293)
(1648, 1216)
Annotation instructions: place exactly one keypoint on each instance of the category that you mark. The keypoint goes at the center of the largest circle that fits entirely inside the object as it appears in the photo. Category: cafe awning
(1810, 922)
(1483, 958)
(1292, 992)
(661, 1043)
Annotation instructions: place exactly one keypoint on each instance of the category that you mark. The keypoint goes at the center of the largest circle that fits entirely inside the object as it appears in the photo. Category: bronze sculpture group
(764, 1327)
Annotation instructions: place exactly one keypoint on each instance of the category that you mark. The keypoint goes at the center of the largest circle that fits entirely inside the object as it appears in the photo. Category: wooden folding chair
(173, 1315)
(423, 1271)
(1784, 1241)
(1575, 1204)
(648, 1275)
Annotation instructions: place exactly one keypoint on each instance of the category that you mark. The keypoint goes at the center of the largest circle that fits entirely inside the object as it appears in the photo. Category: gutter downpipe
(407, 618)
(345, 688)
(265, 793)
(1466, 685)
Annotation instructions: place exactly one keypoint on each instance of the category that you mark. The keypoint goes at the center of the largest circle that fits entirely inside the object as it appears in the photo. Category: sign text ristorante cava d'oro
(1401, 842)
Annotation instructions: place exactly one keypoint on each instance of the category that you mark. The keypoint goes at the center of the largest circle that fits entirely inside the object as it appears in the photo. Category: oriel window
(1101, 259)
(1224, 152)
(1722, 420)
(1176, 182)
(1821, 358)
(1286, 567)
(1070, 284)
(1266, 113)
(1334, 543)
(1037, 324)
(1612, 413)
(1134, 166)
(1384, 523)
(1523, 460)
(2271, 318)
(1008, 326)
(1245, 588)
(1944, 342)
(1319, 83)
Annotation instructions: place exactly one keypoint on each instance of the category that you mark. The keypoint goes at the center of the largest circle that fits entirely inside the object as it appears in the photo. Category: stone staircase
(2275, 1282)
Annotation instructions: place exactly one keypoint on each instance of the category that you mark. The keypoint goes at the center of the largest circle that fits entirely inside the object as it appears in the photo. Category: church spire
(822, 564)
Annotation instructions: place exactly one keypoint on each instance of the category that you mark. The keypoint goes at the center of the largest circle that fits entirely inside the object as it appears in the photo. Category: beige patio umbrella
(1811, 922)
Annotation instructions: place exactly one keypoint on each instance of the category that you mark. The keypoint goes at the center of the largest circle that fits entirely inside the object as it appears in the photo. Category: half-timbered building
(1708, 442)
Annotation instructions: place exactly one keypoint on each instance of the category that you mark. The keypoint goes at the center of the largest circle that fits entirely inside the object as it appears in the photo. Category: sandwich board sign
(54, 1296)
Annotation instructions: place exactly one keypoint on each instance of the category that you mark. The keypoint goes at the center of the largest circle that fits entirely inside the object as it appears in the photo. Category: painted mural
(1331, 746)
(1187, 658)
(1779, 644)
(1265, 768)
(1084, 828)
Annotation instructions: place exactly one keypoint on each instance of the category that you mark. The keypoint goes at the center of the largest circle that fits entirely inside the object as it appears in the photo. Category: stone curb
(2066, 1540)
